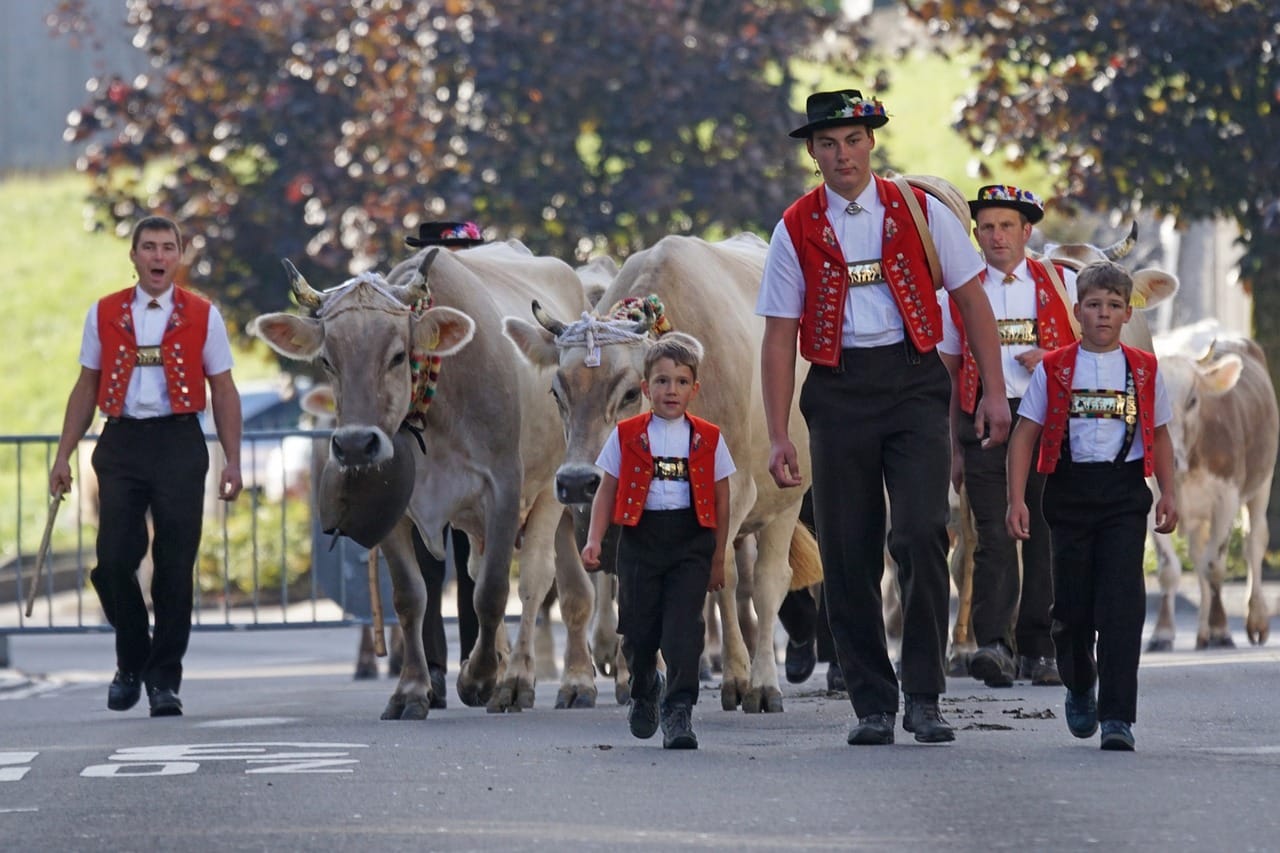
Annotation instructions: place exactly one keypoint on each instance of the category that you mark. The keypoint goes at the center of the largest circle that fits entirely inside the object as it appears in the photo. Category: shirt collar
(868, 199)
(141, 299)
(1019, 272)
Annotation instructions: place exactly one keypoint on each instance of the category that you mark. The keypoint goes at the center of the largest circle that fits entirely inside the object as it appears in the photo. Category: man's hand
(591, 556)
(992, 420)
(60, 478)
(231, 484)
(784, 465)
(1166, 513)
(1030, 358)
(1017, 521)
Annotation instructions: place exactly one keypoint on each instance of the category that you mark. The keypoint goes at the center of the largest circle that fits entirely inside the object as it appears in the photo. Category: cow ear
(1221, 376)
(443, 331)
(290, 335)
(533, 341)
(1155, 286)
(319, 402)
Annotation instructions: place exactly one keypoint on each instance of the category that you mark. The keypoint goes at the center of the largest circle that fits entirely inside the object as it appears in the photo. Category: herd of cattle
(475, 389)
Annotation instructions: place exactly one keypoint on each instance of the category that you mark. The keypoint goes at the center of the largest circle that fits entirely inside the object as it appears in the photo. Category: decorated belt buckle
(148, 357)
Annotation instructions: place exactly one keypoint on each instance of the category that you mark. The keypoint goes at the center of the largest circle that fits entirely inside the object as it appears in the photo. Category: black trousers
(155, 466)
(664, 566)
(877, 422)
(1097, 515)
(434, 643)
(1004, 608)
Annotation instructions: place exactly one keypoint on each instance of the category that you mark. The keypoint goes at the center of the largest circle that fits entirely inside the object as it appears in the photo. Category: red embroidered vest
(181, 351)
(1053, 324)
(1059, 366)
(635, 474)
(826, 274)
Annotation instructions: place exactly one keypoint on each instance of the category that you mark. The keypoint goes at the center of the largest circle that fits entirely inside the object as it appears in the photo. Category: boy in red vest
(1100, 411)
(666, 483)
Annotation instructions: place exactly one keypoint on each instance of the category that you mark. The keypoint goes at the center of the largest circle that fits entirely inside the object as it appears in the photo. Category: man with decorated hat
(451, 235)
(851, 272)
(1032, 301)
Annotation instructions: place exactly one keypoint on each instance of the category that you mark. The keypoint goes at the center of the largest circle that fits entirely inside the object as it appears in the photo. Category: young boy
(1104, 412)
(673, 506)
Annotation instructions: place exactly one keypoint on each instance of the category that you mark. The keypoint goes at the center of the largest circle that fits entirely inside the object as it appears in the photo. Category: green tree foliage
(324, 132)
(1172, 105)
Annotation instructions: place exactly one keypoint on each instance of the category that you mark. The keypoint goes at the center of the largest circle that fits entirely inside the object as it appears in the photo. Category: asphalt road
(281, 750)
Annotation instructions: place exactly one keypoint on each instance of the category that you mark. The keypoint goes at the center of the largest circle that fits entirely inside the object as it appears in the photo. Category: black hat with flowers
(457, 234)
(1006, 195)
(847, 106)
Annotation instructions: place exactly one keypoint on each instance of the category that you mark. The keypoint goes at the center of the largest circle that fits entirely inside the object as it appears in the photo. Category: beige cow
(707, 290)
(1224, 432)
(483, 443)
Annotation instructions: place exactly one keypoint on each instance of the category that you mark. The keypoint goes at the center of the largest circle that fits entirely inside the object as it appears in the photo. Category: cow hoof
(395, 707)
(622, 692)
(364, 673)
(416, 709)
(1222, 641)
(1258, 637)
(731, 696)
(575, 697)
(762, 700)
(1160, 644)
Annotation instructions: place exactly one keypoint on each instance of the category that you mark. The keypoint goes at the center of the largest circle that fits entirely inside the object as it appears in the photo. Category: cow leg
(1211, 557)
(544, 641)
(1257, 622)
(771, 579)
(964, 538)
(366, 660)
(577, 597)
(736, 679)
(1169, 571)
(744, 559)
(712, 647)
(411, 699)
(433, 638)
(395, 650)
(478, 675)
(515, 690)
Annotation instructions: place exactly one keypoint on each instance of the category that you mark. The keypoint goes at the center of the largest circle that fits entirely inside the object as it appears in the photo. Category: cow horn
(420, 289)
(1116, 251)
(551, 324)
(303, 292)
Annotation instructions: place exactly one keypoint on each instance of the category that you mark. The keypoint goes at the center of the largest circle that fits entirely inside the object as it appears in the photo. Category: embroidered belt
(1104, 404)
(148, 357)
(1017, 332)
(865, 272)
(670, 468)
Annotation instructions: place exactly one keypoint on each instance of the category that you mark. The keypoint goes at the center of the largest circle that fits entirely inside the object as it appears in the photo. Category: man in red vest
(145, 358)
(849, 274)
(1100, 412)
(1032, 303)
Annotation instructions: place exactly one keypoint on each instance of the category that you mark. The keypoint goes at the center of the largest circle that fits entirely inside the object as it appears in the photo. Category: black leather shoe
(643, 715)
(438, 690)
(677, 728)
(125, 691)
(921, 717)
(801, 660)
(1082, 713)
(1040, 671)
(872, 730)
(164, 702)
(993, 665)
(835, 678)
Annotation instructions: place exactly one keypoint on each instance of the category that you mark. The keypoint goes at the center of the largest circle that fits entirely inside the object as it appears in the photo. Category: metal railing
(263, 561)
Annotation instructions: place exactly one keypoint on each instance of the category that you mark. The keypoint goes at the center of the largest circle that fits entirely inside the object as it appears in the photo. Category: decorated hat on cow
(846, 106)
(1006, 195)
(455, 234)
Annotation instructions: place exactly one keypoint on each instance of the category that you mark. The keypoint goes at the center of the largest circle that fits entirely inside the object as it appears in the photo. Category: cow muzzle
(577, 485)
(358, 446)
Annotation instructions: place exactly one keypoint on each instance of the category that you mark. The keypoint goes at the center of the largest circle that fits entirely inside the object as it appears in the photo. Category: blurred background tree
(324, 132)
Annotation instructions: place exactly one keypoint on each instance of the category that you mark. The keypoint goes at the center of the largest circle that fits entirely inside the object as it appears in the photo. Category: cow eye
(631, 396)
(396, 360)
(326, 364)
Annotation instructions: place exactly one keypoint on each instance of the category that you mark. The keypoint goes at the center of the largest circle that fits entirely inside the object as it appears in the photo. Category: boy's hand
(1166, 514)
(1017, 521)
(716, 582)
(591, 556)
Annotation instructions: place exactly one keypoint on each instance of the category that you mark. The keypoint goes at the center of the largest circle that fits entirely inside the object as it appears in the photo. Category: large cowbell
(366, 502)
